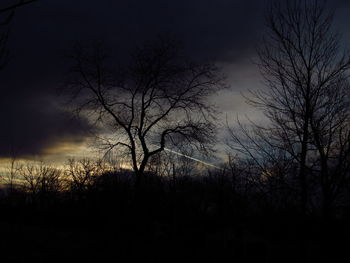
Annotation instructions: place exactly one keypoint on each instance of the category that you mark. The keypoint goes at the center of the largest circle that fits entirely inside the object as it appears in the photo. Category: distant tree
(82, 174)
(11, 176)
(40, 179)
(159, 100)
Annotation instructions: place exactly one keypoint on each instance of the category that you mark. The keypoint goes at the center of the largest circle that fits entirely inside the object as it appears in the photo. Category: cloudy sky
(33, 122)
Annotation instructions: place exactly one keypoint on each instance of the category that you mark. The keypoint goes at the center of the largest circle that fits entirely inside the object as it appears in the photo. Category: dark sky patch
(30, 111)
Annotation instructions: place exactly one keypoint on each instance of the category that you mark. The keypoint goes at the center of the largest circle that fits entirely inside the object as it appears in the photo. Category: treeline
(91, 211)
(273, 184)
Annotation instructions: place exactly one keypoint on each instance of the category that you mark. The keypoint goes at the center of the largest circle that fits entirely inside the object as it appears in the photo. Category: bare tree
(11, 8)
(269, 169)
(306, 102)
(82, 174)
(158, 101)
(330, 126)
(6, 15)
(31, 177)
(40, 179)
(4, 53)
(11, 176)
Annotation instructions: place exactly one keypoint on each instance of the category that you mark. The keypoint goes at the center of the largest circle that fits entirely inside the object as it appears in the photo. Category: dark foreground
(192, 220)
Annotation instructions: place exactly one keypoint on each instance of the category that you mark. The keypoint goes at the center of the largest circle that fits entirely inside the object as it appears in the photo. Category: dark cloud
(30, 126)
(29, 113)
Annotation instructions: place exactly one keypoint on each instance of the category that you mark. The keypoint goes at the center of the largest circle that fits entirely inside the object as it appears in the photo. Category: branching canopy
(158, 101)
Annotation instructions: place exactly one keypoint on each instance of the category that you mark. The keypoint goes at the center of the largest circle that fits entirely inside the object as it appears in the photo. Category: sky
(34, 122)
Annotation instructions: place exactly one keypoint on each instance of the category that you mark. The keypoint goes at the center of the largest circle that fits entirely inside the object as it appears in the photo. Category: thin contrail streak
(192, 158)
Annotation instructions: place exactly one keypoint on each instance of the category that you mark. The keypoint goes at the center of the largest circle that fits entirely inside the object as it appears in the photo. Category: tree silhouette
(307, 104)
(6, 15)
(11, 8)
(81, 174)
(3, 50)
(159, 100)
(307, 97)
(41, 181)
